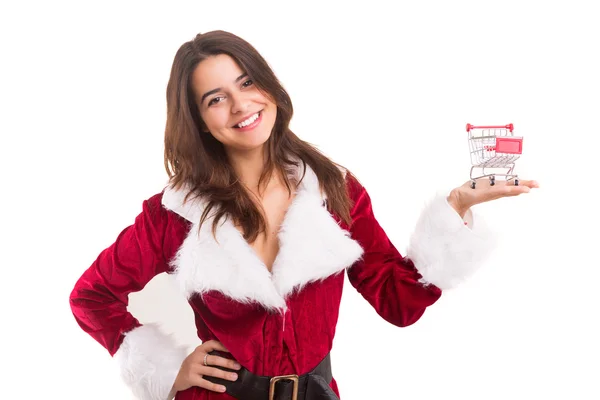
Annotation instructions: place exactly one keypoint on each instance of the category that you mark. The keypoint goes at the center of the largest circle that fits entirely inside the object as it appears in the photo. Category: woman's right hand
(193, 370)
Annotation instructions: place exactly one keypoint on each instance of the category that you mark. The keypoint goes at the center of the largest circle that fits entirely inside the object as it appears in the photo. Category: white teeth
(248, 121)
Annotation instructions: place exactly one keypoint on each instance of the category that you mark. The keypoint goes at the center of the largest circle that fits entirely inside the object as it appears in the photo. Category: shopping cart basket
(494, 148)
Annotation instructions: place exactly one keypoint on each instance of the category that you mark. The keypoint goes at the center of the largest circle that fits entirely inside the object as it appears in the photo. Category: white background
(385, 88)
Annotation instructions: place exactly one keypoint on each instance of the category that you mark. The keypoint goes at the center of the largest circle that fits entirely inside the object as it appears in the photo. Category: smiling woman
(258, 228)
(230, 104)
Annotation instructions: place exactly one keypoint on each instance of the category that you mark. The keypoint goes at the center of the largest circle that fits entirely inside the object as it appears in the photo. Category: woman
(258, 227)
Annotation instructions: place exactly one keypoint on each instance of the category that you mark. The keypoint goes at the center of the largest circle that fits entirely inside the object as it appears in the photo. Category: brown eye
(247, 83)
(214, 100)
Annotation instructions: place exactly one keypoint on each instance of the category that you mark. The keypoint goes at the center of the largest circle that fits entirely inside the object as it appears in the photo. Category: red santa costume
(273, 323)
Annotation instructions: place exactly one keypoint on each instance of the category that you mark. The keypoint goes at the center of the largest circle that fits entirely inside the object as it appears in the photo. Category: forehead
(215, 72)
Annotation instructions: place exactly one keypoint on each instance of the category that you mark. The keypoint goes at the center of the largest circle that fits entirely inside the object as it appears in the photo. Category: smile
(250, 123)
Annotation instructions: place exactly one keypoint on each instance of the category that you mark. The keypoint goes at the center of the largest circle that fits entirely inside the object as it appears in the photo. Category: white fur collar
(312, 247)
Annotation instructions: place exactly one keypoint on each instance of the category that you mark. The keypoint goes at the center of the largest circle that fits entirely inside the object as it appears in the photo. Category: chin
(254, 145)
(248, 145)
(254, 140)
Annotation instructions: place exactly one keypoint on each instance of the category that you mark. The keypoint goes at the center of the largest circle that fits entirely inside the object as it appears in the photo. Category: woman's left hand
(464, 197)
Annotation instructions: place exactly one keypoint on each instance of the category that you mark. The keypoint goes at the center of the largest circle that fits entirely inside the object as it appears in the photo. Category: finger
(222, 362)
(516, 190)
(530, 183)
(489, 193)
(218, 373)
(522, 182)
(508, 190)
(212, 345)
(199, 381)
(484, 182)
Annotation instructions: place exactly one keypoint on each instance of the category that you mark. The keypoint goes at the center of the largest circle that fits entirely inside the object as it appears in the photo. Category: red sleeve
(386, 279)
(100, 296)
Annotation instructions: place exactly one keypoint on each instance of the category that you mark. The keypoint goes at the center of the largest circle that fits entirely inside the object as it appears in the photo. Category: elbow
(412, 317)
(79, 298)
(409, 305)
(406, 317)
(74, 297)
(75, 303)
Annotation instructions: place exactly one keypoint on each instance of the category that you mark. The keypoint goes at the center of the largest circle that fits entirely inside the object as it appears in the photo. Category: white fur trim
(174, 201)
(149, 361)
(443, 249)
(312, 247)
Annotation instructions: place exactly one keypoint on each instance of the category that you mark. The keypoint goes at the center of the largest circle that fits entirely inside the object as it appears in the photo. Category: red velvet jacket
(272, 323)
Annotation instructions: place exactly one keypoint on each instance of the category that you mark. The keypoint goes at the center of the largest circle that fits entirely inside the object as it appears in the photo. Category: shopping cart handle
(509, 127)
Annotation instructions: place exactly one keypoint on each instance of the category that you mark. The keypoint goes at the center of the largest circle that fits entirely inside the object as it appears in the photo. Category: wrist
(454, 201)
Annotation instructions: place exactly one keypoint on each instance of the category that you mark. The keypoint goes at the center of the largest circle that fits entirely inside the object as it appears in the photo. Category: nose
(240, 103)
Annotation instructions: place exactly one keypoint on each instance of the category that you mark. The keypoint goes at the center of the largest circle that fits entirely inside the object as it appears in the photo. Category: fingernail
(234, 377)
(222, 388)
(237, 365)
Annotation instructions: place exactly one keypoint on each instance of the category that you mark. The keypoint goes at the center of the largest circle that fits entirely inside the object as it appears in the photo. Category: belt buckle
(275, 379)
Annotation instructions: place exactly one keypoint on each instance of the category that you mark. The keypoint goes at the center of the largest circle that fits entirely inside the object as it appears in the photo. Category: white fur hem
(149, 361)
(444, 250)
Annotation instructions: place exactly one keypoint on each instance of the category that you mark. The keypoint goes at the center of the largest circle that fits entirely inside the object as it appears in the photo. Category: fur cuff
(443, 249)
(149, 361)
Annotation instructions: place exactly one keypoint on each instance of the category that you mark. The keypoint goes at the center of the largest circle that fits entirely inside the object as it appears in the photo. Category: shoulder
(156, 209)
(153, 204)
(354, 187)
(183, 202)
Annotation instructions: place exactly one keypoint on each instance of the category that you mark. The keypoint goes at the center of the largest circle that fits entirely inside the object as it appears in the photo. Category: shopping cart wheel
(516, 181)
(472, 184)
(492, 180)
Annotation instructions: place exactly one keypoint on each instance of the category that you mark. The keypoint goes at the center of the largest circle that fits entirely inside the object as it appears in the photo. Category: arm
(439, 255)
(148, 359)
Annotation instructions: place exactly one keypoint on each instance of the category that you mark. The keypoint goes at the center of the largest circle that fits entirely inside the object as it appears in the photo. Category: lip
(252, 125)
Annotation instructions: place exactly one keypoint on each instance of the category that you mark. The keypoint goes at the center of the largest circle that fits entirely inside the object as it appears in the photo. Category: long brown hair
(196, 159)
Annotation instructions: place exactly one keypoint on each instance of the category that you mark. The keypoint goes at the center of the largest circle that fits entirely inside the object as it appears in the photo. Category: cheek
(273, 107)
(261, 98)
(215, 119)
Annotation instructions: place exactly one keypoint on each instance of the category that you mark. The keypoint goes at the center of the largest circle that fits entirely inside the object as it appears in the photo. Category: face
(234, 111)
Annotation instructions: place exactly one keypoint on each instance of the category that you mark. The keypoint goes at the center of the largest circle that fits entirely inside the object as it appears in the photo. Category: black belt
(311, 386)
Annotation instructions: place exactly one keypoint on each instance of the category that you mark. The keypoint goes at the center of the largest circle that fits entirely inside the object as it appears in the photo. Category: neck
(248, 166)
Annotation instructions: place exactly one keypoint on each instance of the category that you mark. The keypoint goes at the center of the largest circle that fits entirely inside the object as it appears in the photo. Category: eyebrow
(205, 95)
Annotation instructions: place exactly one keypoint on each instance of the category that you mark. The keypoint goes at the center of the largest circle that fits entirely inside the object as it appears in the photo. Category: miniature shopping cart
(494, 148)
